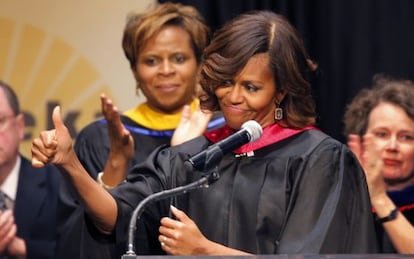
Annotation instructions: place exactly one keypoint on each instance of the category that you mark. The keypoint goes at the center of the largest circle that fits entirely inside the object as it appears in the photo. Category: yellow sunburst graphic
(46, 71)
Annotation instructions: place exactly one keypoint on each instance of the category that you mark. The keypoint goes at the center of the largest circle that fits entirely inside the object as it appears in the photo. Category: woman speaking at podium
(293, 191)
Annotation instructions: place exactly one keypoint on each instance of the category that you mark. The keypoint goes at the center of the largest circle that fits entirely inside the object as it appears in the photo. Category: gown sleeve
(329, 209)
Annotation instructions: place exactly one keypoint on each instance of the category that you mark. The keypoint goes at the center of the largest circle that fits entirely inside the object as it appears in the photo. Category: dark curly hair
(254, 33)
(385, 88)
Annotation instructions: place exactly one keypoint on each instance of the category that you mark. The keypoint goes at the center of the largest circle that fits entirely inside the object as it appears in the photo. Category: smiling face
(393, 133)
(250, 95)
(167, 70)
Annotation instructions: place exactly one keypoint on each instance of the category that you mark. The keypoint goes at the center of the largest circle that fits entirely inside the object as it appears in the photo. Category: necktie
(3, 204)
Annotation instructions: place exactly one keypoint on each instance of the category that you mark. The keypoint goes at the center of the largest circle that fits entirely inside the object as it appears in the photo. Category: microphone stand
(203, 182)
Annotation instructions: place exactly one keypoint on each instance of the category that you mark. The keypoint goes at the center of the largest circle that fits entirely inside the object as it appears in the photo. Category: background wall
(67, 53)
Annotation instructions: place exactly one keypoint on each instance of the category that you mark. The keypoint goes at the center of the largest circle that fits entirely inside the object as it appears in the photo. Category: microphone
(205, 160)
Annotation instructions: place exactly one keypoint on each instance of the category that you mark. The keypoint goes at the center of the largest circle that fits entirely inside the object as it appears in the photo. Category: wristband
(393, 214)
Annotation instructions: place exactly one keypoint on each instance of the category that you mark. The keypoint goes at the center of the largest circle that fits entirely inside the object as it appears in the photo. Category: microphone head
(254, 129)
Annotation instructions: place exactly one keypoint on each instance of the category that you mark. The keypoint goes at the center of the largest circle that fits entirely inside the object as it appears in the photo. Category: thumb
(179, 214)
(57, 119)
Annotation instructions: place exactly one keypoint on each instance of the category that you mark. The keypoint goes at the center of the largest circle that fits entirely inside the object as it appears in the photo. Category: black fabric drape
(350, 40)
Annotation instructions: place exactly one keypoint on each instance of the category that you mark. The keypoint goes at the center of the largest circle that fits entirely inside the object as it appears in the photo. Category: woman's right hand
(53, 146)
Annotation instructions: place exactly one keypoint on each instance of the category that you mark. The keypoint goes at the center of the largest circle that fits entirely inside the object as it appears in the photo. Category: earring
(278, 113)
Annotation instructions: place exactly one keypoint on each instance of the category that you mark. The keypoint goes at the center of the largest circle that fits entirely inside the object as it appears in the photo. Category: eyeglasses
(5, 122)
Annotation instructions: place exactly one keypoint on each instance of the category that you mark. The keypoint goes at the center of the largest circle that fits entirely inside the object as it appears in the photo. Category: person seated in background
(379, 123)
(28, 195)
(163, 47)
(295, 190)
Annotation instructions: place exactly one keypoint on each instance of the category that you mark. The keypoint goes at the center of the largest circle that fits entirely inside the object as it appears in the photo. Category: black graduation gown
(305, 194)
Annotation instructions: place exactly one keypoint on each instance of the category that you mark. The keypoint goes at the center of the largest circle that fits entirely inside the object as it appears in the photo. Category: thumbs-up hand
(52, 146)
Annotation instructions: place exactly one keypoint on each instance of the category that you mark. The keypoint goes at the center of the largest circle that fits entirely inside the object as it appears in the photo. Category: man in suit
(28, 195)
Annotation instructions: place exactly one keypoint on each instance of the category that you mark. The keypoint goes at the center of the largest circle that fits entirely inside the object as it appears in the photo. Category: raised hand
(52, 146)
(122, 146)
(373, 166)
(190, 125)
(369, 157)
(56, 146)
(121, 140)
